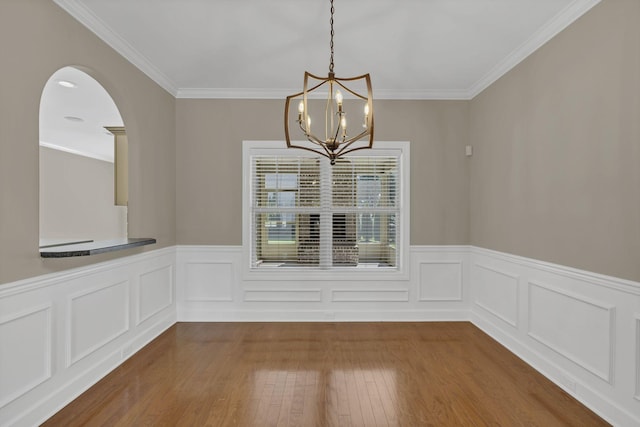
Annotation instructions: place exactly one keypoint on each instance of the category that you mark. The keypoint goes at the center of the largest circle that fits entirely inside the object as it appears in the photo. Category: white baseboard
(325, 316)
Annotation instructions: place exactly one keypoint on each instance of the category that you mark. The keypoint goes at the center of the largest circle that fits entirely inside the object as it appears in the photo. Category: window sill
(93, 248)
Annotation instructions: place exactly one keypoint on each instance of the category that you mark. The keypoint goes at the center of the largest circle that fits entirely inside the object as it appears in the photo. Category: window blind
(307, 213)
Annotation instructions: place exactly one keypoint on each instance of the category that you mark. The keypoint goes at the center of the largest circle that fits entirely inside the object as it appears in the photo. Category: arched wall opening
(83, 177)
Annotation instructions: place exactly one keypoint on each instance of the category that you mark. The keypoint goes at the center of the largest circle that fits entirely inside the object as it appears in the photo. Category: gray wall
(36, 39)
(209, 164)
(554, 175)
(77, 198)
(556, 170)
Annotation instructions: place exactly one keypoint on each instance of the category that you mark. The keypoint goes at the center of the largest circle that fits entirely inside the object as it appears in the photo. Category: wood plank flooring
(324, 374)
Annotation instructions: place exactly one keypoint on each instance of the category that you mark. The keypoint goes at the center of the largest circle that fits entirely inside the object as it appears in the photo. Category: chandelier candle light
(338, 139)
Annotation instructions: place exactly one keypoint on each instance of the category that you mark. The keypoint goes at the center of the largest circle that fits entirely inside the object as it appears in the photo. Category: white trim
(242, 93)
(611, 310)
(139, 318)
(601, 280)
(46, 280)
(460, 289)
(397, 148)
(369, 295)
(637, 358)
(48, 356)
(86, 17)
(318, 315)
(562, 20)
(608, 394)
(68, 374)
(516, 279)
(617, 401)
(71, 339)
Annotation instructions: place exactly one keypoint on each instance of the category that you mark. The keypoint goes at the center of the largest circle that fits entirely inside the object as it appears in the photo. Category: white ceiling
(72, 119)
(413, 49)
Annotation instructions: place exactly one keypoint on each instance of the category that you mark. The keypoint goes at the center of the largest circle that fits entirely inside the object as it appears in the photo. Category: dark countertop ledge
(94, 248)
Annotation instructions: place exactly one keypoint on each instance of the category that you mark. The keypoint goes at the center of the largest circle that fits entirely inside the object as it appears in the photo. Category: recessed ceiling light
(67, 83)
(74, 119)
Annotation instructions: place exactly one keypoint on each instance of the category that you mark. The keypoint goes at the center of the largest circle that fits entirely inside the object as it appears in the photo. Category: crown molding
(234, 93)
(240, 93)
(87, 18)
(562, 20)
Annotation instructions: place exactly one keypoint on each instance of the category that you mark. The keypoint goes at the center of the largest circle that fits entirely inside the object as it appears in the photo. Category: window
(303, 213)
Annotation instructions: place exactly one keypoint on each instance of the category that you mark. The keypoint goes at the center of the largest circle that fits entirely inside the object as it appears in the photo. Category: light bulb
(301, 107)
(339, 97)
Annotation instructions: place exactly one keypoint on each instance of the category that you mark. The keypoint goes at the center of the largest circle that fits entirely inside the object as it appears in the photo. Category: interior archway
(77, 161)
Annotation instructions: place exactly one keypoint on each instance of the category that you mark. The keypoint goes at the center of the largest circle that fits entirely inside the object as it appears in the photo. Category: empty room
(320, 213)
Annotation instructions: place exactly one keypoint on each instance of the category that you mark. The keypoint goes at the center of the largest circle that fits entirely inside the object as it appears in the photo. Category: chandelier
(332, 98)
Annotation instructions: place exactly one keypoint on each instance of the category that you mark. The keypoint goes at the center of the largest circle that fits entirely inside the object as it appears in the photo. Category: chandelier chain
(331, 44)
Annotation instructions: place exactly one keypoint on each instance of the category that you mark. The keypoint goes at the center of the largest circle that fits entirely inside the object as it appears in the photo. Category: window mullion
(326, 216)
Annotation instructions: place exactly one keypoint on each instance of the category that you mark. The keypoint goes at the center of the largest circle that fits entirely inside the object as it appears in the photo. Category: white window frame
(401, 149)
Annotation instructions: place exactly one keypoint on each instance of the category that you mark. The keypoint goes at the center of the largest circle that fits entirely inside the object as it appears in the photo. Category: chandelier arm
(347, 79)
(350, 141)
(335, 137)
(324, 80)
(313, 139)
(351, 91)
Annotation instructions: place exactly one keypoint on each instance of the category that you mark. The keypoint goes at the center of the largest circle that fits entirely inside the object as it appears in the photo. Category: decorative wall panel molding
(637, 358)
(571, 328)
(282, 295)
(576, 327)
(440, 281)
(96, 317)
(212, 288)
(369, 295)
(155, 292)
(25, 354)
(496, 292)
(62, 332)
(545, 324)
(209, 281)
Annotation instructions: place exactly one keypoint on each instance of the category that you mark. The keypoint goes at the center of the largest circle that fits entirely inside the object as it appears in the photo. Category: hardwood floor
(324, 374)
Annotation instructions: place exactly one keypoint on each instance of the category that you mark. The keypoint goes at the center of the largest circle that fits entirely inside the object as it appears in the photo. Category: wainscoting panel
(209, 281)
(581, 330)
(213, 288)
(496, 292)
(282, 295)
(637, 358)
(25, 352)
(96, 317)
(369, 295)
(60, 333)
(578, 328)
(440, 281)
(155, 292)
(573, 326)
